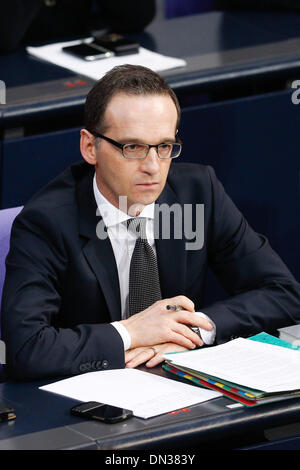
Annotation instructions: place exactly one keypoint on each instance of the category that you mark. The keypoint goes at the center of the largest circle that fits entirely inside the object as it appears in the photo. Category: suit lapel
(171, 253)
(98, 252)
(100, 257)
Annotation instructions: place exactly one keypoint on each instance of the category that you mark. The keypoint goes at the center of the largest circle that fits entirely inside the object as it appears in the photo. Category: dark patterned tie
(144, 288)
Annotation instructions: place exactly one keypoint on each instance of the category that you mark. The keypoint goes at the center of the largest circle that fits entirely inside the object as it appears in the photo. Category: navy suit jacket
(61, 290)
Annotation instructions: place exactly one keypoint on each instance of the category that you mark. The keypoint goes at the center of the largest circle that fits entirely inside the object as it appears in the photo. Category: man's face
(149, 119)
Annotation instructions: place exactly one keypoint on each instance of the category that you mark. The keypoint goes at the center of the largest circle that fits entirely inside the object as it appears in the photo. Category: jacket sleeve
(35, 346)
(263, 294)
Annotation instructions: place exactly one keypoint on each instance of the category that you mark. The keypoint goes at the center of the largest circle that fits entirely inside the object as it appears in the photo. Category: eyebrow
(135, 140)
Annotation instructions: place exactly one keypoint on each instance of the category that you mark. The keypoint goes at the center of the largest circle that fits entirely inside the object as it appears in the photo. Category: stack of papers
(247, 371)
(291, 334)
(144, 393)
(53, 53)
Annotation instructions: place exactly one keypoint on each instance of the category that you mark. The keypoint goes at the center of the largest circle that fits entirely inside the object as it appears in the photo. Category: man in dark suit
(67, 295)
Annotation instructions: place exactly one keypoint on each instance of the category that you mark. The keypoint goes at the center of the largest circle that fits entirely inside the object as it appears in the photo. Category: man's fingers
(140, 358)
(131, 353)
(192, 319)
(181, 340)
(157, 359)
(189, 334)
(161, 350)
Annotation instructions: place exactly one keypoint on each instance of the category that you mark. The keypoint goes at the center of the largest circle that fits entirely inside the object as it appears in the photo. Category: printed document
(144, 393)
(252, 364)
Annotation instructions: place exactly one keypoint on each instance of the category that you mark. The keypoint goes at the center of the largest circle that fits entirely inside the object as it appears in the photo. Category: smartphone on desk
(117, 44)
(88, 51)
(101, 412)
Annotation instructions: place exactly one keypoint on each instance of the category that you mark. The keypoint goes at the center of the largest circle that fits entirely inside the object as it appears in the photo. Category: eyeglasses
(137, 151)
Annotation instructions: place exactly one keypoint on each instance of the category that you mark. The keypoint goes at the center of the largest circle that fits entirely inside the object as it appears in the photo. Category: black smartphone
(88, 51)
(101, 412)
(117, 44)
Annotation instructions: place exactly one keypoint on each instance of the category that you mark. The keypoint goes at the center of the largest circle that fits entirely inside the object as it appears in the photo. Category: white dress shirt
(123, 243)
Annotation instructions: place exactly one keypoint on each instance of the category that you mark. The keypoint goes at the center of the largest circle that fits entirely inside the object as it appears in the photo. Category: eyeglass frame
(121, 146)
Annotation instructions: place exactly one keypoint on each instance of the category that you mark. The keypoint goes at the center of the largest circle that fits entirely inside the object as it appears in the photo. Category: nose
(151, 163)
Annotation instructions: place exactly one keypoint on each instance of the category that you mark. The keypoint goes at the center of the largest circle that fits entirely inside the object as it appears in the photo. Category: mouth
(147, 185)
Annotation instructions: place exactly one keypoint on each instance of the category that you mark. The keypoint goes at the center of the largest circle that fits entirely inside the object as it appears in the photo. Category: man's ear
(87, 147)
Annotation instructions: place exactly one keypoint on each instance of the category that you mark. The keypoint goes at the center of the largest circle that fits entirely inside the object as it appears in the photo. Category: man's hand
(157, 325)
(152, 356)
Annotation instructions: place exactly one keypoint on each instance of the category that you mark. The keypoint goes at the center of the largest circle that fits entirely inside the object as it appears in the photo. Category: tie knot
(137, 225)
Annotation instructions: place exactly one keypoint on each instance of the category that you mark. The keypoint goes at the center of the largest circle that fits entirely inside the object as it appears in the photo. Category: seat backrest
(7, 217)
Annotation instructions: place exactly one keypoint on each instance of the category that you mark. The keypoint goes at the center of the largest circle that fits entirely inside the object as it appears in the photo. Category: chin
(138, 205)
(145, 199)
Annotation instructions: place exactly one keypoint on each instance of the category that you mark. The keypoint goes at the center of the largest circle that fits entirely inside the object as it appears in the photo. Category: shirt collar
(111, 214)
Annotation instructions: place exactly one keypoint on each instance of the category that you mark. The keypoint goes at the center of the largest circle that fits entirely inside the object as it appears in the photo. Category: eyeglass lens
(168, 150)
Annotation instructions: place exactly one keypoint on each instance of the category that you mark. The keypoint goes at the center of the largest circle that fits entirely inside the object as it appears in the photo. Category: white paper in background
(53, 53)
(144, 393)
(261, 366)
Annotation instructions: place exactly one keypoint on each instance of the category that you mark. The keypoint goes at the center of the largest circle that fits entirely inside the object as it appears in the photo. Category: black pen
(175, 308)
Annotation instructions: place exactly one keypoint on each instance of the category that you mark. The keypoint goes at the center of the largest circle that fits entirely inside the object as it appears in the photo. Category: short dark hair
(129, 79)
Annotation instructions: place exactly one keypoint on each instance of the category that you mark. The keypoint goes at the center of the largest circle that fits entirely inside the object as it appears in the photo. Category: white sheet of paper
(144, 393)
(53, 53)
(262, 366)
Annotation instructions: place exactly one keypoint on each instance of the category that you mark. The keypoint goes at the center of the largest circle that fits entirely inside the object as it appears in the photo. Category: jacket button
(98, 365)
(82, 367)
(105, 364)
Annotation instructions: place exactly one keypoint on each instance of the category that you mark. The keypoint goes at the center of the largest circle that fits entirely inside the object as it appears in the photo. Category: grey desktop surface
(218, 67)
(44, 422)
(178, 37)
(217, 31)
(217, 46)
(222, 46)
(195, 35)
